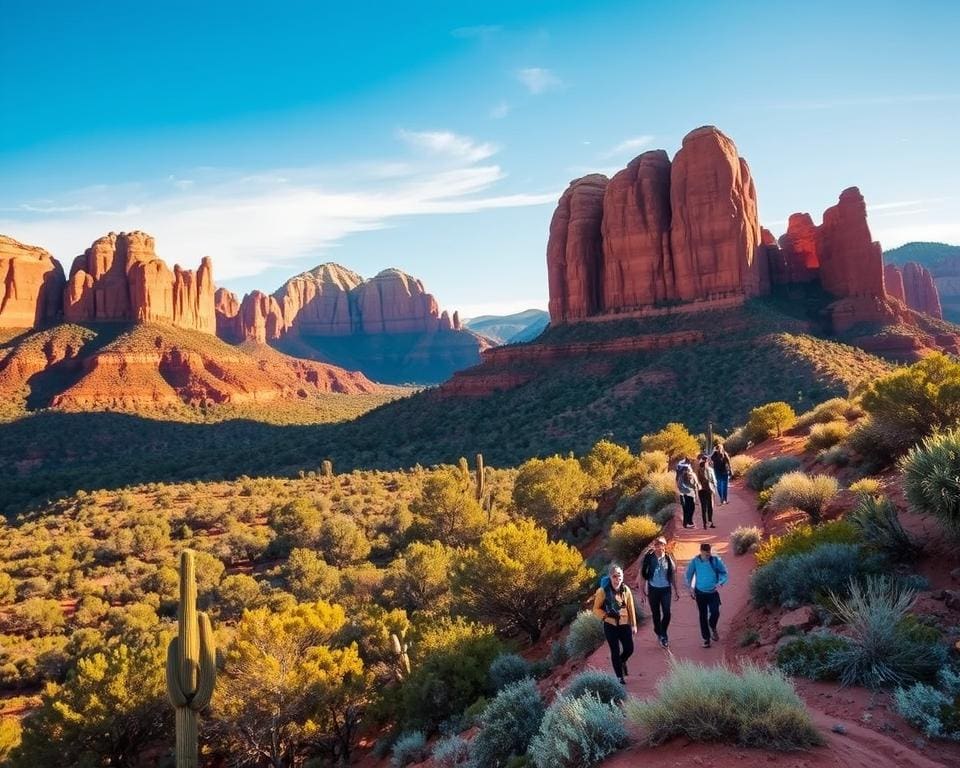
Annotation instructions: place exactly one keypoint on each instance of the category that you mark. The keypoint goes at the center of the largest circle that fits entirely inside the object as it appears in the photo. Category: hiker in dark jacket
(687, 486)
(708, 487)
(706, 575)
(659, 574)
(721, 468)
(613, 605)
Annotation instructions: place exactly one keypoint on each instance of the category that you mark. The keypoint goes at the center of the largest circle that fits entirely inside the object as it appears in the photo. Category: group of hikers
(705, 575)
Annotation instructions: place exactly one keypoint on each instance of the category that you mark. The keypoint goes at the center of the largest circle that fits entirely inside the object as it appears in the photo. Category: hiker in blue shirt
(706, 575)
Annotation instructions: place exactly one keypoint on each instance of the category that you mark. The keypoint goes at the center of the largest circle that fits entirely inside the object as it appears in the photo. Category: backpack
(609, 598)
(647, 566)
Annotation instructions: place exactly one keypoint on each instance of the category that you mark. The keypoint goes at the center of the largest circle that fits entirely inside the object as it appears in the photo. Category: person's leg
(702, 600)
(626, 640)
(653, 595)
(704, 501)
(665, 600)
(613, 640)
(723, 485)
(714, 614)
(708, 507)
(689, 507)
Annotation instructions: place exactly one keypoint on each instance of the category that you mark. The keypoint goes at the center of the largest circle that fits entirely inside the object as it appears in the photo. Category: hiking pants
(723, 484)
(706, 506)
(708, 603)
(689, 506)
(660, 609)
(620, 639)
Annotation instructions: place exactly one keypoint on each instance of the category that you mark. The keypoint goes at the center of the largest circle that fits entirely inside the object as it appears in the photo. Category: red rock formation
(799, 260)
(395, 302)
(260, 318)
(575, 250)
(714, 226)
(31, 282)
(637, 261)
(119, 278)
(227, 308)
(920, 290)
(318, 302)
(893, 283)
(851, 263)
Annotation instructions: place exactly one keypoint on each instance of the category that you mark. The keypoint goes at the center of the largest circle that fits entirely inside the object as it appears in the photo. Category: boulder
(31, 283)
(803, 618)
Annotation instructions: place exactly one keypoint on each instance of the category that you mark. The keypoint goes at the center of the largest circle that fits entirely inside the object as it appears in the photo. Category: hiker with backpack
(613, 605)
(688, 486)
(659, 571)
(708, 487)
(721, 468)
(706, 575)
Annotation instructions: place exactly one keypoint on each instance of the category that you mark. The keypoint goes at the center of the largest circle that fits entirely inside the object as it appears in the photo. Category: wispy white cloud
(865, 101)
(500, 111)
(631, 145)
(447, 143)
(538, 79)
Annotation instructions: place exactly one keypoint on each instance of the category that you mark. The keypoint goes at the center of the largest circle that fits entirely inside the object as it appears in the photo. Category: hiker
(708, 486)
(688, 486)
(706, 575)
(659, 571)
(613, 604)
(721, 468)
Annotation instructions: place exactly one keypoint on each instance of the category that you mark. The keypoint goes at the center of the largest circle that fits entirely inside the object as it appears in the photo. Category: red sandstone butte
(31, 282)
(893, 283)
(920, 290)
(799, 249)
(575, 249)
(851, 263)
(317, 302)
(227, 308)
(637, 261)
(714, 231)
(260, 318)
(394, 302)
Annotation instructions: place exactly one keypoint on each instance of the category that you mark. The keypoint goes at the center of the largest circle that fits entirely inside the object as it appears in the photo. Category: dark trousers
(620, 639)
(689, 506)
(660, 609)
(708, 603)
(706, 506)
(723, 485)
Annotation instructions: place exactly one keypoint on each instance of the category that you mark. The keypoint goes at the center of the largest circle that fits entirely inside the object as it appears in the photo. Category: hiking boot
(706, 643)
(712, 525)
(622, 681)
(714, 635)
(664, 643)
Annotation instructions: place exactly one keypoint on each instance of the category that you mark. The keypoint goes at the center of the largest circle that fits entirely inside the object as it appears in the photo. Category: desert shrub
(811, 656)
(585, 635)
(447, 508)
(451, 752)
(931, 478)
(737, 442)
(508, 723)
(799, 491)
(743, 539)
(593, 682)
(665, 514)
(935, 711)
(660, 490)
(805, 537)
(799, 579)
(827, 435)
(653, 461)
(880, 652)
(740, 464)
(629, 538)
(613, 466)
(674, 440)
(558, 653)
(409, 748)
(866, 485)
(879, 527)
(578, 733)
(763, 498)
(765, 473)
(508, 668)
(756, 707)
(770, 420)
(835, 409)
(553, 491)
(837, 456)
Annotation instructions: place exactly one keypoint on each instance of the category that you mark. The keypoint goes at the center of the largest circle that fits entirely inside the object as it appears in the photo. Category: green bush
(553, 491)
(739, 465)
(795, 490)
(508, 668)
(508, 724)
(827, 435)
(737, 442)
(866, 485)
(879, 526)
(660, 490)
(935, 711)
(880, 652)
(593, 682)
(409, 748)
(754, 708)
(585, 635)
(765, 473)
(770, 420)
(835, 409)
(797, 579)
(578, 733)
(931, 478)
(743, 539)
(629, 538)
(805, 537)
(837, 456)
(811, 656)
(451, 752)
(674, 440)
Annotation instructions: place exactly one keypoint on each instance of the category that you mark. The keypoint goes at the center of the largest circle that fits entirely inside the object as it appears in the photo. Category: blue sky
(436, 137)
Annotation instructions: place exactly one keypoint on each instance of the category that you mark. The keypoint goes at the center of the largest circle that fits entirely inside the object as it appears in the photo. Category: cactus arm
(173, 675)
(208, 665)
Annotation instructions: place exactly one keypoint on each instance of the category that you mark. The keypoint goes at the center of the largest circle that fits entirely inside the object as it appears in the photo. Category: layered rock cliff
(31, 285)
(920, 291)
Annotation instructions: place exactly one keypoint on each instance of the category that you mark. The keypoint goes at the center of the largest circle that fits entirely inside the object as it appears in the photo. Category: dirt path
(857, 747)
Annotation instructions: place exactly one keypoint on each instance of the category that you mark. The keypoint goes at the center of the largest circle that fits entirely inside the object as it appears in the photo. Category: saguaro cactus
(191, 664)
(401, 659)
(481, 486)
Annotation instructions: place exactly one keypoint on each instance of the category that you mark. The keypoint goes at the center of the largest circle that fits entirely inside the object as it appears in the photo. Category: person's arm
(691, 569)
(632, 611)
(673, 574)
(643, 582)
(722, 575)
(598, 610)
